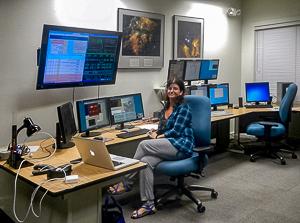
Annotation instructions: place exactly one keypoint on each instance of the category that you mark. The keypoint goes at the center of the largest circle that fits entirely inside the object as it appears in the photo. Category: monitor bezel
(255, 83)
(95, 127)
(121, 96)
(43, 53)
(214, 86)
(217, 71)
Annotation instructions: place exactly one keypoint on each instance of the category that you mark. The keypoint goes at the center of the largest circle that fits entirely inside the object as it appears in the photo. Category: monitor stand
(123, 126)
(90, 134)
(215, 108)
(59, 141)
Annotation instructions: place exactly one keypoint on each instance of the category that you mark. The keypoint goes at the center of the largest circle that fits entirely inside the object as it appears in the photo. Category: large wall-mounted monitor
(257, 92)
(209, 69)
(219, 95)
(176, 69)
(76, 57)
(126, 108)
(92, 114)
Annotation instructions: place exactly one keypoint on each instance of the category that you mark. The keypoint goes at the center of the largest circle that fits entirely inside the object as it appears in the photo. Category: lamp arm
(19, 129)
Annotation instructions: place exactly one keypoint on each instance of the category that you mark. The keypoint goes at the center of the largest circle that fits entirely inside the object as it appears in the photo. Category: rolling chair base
(272, 154)
(183, 189)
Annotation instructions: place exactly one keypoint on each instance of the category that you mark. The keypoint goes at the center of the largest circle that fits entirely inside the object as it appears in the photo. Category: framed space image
(187, 37)
(143, 39)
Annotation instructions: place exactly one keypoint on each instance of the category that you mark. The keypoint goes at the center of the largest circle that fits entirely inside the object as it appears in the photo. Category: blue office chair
(193, 166)
(275, 131)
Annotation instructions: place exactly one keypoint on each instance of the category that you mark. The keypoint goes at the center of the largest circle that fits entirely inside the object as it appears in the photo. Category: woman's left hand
(152, 134)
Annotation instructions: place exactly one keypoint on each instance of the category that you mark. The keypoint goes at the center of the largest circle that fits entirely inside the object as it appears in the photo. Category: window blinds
(277, 56)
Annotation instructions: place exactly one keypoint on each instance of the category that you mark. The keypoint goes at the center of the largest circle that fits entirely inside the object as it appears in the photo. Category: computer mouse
(99, 138)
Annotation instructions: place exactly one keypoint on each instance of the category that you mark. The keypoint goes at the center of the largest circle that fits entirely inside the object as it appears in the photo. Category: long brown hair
(180, 83)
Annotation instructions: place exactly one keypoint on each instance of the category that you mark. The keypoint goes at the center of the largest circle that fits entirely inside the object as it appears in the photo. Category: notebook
(94, 152)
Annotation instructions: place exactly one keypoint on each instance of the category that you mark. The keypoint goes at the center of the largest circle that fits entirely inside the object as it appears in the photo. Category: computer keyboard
(132, 134)
(259, 106)
(220, 113)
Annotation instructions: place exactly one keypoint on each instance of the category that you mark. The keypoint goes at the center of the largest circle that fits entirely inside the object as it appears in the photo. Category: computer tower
(281, 89)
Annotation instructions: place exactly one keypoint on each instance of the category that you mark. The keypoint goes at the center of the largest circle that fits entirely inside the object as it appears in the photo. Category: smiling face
(173, 91)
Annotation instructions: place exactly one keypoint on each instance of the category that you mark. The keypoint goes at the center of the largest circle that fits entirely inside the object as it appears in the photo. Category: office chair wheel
(282, 161)
(214, 194)
(294, 156)
(252, 158)
(200, 208)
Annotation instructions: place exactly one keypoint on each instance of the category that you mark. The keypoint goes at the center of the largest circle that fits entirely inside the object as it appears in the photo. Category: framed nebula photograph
(143, 39)
(188, 35)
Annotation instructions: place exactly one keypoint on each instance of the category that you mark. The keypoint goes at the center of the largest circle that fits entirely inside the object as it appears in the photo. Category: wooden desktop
(76, 202)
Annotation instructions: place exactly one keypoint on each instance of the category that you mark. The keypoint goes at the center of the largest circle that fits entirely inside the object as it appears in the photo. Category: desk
(79, 202)
(242, 116)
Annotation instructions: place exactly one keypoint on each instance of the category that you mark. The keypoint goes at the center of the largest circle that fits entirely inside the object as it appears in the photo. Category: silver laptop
(94, 152)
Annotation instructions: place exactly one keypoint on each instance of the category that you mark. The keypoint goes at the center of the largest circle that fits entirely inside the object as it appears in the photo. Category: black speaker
(240, 102)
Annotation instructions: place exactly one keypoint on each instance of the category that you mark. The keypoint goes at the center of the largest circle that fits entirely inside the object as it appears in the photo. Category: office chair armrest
(204, 149)
(268, 124)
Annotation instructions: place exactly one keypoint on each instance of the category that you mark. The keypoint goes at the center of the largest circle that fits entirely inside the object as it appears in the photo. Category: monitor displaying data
(176, 69)
(92, 114)
(75, 57)
(219, 94)
(209, 69)
(192, 70)
(257, 92)
(126, 108)
(199, 90)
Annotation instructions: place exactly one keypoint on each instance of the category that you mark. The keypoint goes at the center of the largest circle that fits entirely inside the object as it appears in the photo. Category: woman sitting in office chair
(173, 140)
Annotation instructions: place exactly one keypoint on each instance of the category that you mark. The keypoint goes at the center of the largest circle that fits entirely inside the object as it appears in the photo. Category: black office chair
(179, 169)
(271, 132)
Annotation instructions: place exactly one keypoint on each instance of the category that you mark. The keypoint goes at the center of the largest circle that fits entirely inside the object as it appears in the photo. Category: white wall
(262, 12)
(20, 35)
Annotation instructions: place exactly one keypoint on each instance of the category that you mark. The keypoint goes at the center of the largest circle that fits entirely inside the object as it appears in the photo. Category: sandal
(119, 188)
(149, 209)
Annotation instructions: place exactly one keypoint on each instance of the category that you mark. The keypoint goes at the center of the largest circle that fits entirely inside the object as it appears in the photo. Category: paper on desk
(33, 148)
(149, 126)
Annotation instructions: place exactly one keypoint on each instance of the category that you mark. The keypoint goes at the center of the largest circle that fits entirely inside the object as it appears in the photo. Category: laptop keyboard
(116, 163)
(133, 133)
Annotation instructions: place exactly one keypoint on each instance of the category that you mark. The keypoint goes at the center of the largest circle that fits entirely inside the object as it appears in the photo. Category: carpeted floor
(264, 191)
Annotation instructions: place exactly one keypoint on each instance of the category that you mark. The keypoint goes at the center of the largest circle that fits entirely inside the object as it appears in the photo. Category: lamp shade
(30, 126)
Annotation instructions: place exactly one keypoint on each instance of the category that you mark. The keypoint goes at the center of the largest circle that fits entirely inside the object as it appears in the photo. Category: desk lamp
(15, 154)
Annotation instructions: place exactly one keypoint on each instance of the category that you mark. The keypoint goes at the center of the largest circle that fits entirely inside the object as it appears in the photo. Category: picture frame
(143, 39)
(188, 37)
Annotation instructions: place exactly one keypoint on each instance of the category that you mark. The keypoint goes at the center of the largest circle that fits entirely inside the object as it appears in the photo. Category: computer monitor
(125, 108)
(92, 114)
(201, 90)
(76, 57)
(192, 70)
(209, 69)
(219, 95)
(66, 127)
(176, 69)
(257, 92)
